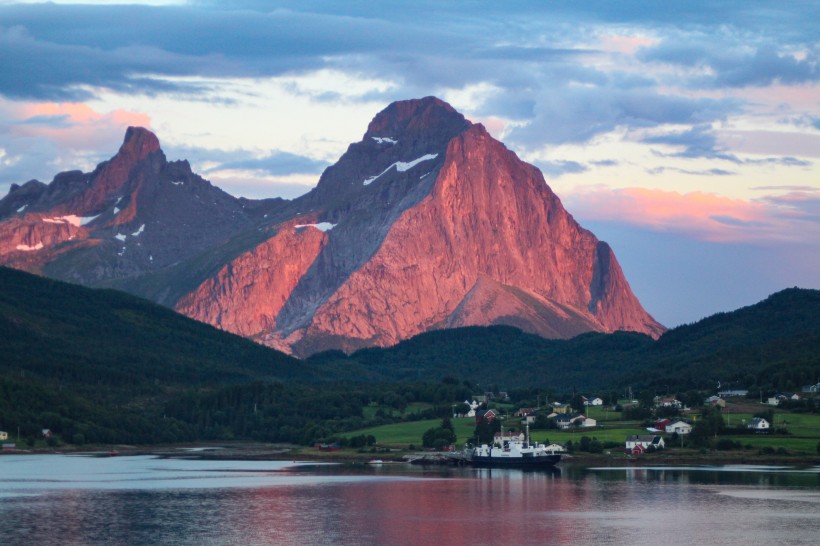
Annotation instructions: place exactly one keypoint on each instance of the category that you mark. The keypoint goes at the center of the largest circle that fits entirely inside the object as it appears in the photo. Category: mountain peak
(415, 115)
(139, 142)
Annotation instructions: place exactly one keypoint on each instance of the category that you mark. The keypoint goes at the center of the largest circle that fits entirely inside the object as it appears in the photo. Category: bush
(725, 444)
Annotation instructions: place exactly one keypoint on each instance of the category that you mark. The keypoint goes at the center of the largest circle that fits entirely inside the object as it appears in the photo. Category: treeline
(772, 346)
(307, 413)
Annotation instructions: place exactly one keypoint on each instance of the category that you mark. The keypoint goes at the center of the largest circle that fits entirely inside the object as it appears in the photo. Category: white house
(4, 435)
(589, 422)
(594, 402)
(567, 420)
(644, 440)
(680, 427)
(758, 424)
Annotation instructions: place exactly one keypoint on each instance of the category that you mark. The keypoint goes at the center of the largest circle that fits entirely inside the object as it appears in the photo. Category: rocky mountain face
(427, 222)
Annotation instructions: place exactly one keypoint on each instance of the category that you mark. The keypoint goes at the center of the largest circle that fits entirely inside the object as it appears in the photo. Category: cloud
(277, 163)
(578, 114)
(698, 142)
(39, 140)
(735, 63)
(555, 169)
(704, 216)
(703, 142)
(707, 172)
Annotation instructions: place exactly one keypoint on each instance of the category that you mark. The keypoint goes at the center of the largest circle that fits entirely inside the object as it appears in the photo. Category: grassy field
(804, 429)
(404, 434)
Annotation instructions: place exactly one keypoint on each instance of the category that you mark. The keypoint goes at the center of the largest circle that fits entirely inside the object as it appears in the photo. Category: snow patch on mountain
(321, 226)
(27, 248)
(401, 166)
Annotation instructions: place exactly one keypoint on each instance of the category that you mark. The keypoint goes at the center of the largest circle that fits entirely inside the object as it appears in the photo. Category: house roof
(644, 438)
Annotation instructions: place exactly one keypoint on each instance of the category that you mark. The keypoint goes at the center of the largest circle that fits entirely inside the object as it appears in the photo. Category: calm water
(54, 499)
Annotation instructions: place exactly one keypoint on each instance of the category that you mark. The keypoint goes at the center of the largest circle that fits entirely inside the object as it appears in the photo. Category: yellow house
(4, 435)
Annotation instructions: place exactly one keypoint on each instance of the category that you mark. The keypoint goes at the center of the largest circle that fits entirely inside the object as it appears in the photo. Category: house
(758, 424)
(636, 450)
(661, 424)
(523, 412)
(46, 433)
(733, 392)
(4, 435)
(558, 407)
(567, 420)
(715, 401)
(486, 415)
(669, 402)
(678, 426)
(811, 388)
(594, 402)
(589, 422)
(645, 441)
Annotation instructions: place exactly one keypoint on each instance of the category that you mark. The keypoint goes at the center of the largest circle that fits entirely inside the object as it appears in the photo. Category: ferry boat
(510, 450)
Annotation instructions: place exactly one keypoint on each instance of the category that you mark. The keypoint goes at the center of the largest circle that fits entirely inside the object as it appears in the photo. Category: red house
(486, 415)
(661, 424)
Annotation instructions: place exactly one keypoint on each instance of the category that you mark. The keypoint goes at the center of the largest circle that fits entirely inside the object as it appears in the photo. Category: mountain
(427, 223)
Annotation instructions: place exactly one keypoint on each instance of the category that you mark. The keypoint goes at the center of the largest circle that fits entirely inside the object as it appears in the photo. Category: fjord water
(58, 499)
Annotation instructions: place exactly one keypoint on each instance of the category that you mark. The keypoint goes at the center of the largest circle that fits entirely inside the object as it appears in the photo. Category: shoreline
(279, 452)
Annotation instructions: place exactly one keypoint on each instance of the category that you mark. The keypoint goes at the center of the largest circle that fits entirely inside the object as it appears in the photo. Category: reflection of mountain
(426, 223)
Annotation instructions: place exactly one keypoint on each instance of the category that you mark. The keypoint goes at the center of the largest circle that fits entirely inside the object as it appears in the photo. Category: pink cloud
(75, 126)
(625, 44)
(700, 215)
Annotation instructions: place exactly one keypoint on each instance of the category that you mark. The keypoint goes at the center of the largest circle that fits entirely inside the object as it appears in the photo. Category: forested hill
(772, 344)
(70, 335)
(101, 366)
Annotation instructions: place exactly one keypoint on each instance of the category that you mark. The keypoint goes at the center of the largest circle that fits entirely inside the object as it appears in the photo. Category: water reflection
(53, 500)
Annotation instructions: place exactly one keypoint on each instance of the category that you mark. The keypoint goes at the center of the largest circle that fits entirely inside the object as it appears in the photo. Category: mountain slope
(70, 335)
(426, 223)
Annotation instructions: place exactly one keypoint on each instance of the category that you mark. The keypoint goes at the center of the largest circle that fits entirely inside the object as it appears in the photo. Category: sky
(684, 133)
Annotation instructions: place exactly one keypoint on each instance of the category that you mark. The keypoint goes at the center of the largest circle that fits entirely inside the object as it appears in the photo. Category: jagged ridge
(427, 222)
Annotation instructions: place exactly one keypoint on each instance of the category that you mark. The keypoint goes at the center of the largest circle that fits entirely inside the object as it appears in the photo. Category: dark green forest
(100, 366)
(772, 345)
